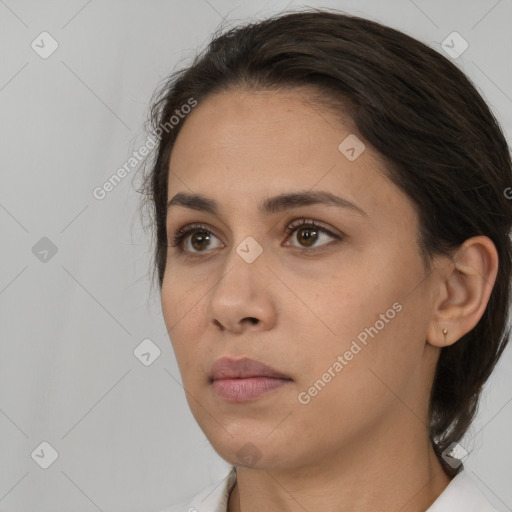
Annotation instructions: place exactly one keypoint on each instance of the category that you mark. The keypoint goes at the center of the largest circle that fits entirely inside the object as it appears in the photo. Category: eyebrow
(269, 206)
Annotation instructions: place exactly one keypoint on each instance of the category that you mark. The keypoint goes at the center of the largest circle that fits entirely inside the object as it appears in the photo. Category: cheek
(373, 319)
(358, 390)
(170, 304)
(182, 298)
(386, 350)
(351, 301)
(182, 312)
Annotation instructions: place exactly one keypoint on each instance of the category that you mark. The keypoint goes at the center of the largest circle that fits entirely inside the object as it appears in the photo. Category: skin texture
(362, 442)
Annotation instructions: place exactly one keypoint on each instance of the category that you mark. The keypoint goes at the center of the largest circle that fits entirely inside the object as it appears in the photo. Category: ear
(464, 291)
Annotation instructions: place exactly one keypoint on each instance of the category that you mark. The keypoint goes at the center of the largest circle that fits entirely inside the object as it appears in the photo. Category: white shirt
(461, 495)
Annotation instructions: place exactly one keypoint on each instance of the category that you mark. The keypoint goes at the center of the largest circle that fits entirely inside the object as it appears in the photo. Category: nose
(242, 297)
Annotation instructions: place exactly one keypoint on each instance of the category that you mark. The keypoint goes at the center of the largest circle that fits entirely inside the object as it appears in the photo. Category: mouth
(244, 380)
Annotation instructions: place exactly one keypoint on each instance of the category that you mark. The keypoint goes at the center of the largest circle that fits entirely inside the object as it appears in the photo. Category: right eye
(197, 236)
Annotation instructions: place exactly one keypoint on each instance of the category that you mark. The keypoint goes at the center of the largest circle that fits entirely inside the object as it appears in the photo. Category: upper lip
(227, 368)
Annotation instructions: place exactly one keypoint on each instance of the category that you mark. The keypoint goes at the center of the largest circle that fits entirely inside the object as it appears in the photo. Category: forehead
(244, 145)
(239, 120)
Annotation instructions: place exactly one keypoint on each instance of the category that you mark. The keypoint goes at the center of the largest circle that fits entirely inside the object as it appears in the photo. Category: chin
(252, 451)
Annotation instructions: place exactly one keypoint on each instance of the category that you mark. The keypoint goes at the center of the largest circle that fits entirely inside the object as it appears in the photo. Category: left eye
(199, 235)
(309, 231)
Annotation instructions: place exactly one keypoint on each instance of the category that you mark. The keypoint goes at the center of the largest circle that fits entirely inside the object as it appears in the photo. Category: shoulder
(462, 494)
(213, 498)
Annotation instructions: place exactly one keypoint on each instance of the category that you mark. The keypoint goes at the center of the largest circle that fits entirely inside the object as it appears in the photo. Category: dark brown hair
(444, 149)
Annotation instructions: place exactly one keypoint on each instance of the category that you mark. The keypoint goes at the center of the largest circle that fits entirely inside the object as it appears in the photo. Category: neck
(396, 473)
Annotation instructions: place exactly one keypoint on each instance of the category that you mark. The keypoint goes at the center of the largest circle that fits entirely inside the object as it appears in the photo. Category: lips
(227, 368)
(245, 380)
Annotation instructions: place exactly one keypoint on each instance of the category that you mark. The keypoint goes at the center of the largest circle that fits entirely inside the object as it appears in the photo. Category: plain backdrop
(75, 300)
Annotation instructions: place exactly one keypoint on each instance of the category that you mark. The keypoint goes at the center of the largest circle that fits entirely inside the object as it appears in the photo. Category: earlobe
(464, 291)
(439, 336)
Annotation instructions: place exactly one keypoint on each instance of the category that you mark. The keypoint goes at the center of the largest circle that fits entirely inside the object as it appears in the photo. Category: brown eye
(199, 238)
(307, 236)
(308, 232)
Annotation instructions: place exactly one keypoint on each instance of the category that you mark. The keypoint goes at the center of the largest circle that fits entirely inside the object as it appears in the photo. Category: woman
(333, 254)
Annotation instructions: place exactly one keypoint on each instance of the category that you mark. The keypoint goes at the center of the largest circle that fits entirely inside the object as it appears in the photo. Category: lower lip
(245, 390)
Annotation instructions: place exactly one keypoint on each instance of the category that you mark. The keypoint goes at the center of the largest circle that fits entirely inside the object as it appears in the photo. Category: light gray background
(125, 438)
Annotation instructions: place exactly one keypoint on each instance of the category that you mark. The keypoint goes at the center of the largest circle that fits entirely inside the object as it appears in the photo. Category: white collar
(461, 495)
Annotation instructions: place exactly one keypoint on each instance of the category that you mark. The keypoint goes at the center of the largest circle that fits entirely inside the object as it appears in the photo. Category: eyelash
(181, 234)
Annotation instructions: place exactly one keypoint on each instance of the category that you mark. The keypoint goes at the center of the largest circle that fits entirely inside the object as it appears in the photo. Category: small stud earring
(445, 331)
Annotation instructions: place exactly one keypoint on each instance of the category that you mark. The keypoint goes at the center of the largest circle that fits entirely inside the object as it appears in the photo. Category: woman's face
(342, 313)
